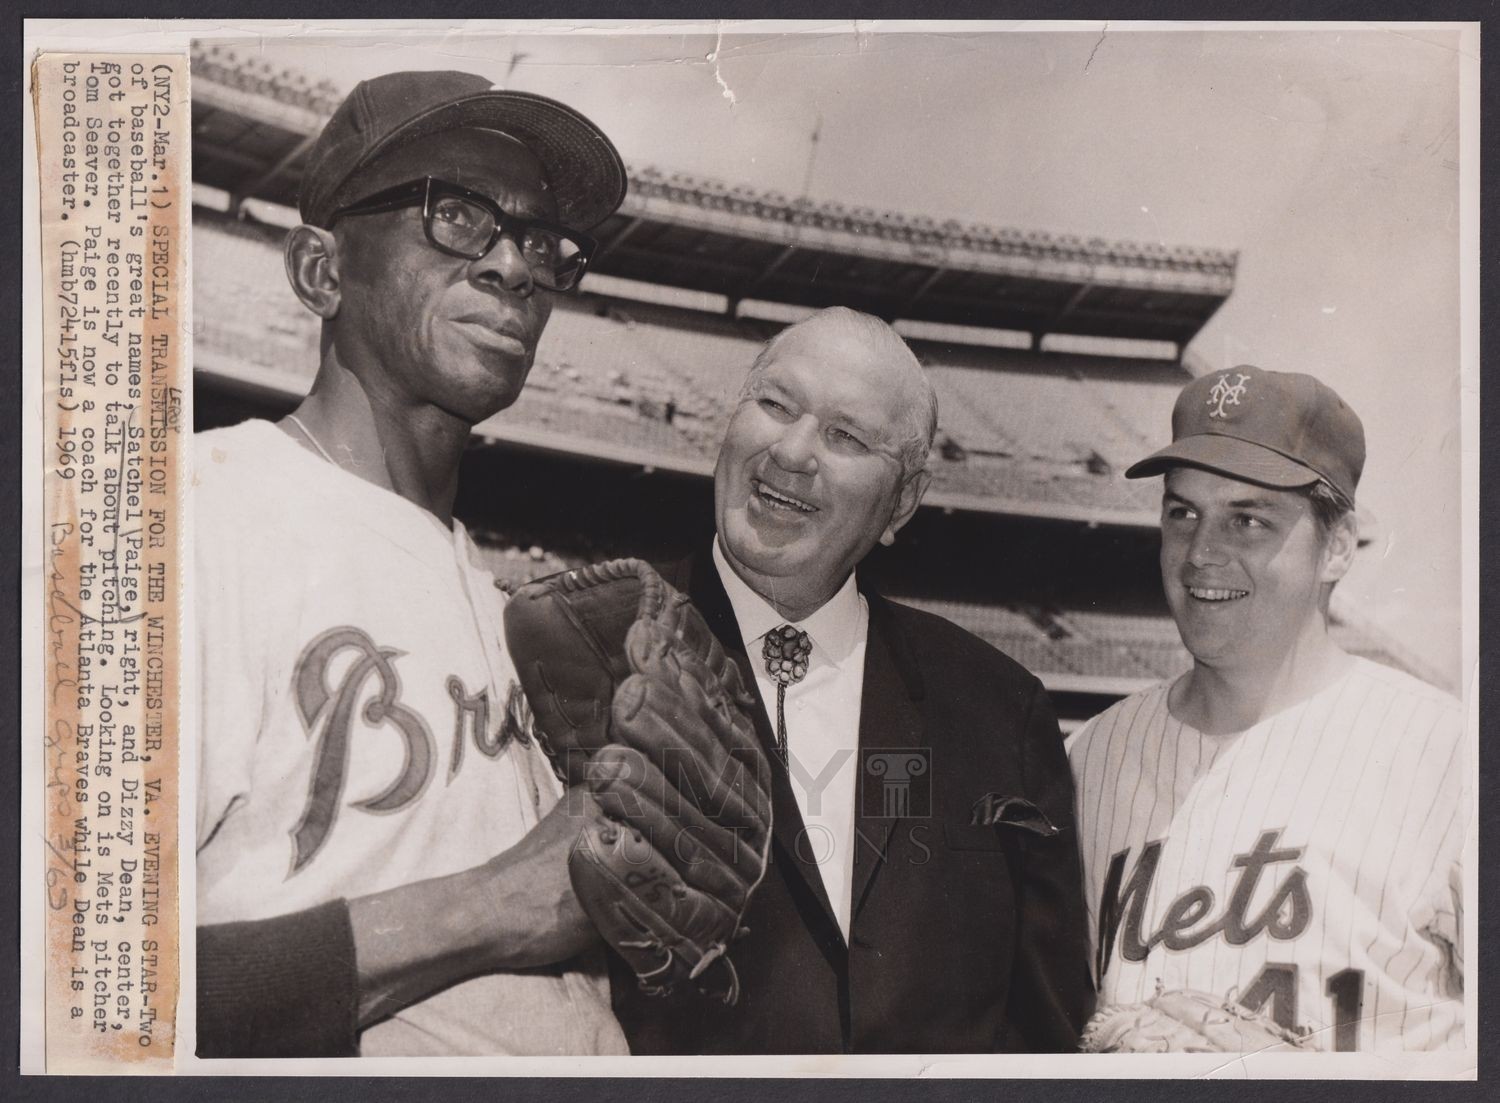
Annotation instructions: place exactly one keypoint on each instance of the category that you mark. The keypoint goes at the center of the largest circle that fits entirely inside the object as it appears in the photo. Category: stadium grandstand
(1056, 361)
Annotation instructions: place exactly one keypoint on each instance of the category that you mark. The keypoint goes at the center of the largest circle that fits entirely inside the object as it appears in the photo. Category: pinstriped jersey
(1308, 867)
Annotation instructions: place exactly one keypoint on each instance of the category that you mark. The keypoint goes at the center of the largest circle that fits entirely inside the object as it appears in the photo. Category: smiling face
(424, 327)
(1244, 567)
(809, 478)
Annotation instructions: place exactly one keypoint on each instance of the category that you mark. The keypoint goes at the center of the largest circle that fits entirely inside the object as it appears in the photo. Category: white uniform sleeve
(1439, 910)
(230, 648)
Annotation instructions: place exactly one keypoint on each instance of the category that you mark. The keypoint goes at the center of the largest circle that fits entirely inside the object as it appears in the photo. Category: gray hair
(883, 341)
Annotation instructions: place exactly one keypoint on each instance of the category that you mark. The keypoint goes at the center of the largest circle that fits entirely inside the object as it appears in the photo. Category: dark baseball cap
(584, 171)
(1276, 429)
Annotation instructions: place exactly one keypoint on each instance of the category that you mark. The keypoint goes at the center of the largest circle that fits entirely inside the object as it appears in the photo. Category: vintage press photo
(113, 368)
(472, 307)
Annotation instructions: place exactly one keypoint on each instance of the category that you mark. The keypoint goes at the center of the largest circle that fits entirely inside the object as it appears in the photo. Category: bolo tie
(786, 651)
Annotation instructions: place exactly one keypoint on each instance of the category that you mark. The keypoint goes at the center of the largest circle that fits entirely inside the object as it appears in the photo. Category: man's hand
(516, 911)
(534, 917)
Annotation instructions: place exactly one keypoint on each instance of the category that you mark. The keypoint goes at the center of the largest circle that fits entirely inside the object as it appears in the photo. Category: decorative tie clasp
(786, 651)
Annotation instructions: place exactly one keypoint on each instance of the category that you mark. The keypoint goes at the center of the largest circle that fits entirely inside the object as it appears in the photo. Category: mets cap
(1276, 429)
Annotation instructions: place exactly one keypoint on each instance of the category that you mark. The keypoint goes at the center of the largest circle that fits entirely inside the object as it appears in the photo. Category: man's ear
(907, 501)
(1339, 547)
(312, 268)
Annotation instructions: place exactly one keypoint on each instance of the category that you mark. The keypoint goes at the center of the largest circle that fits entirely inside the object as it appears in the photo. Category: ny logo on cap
(1225, 393)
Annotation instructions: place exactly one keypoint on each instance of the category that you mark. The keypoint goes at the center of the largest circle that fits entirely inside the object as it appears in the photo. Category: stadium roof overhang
(742, 244)
(747, 245)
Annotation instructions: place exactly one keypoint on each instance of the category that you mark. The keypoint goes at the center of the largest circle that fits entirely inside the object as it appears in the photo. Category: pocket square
(994, 810)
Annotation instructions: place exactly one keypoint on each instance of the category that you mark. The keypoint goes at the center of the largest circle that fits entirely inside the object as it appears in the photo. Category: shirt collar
(835, 628)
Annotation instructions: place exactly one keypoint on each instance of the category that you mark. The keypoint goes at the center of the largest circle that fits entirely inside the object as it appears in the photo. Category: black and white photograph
(934, 544)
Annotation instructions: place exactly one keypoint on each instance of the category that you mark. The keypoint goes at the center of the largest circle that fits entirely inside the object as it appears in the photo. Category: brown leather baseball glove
(635, 698)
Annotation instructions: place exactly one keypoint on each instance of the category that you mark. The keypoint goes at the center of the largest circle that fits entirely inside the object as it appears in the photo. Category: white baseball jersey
(1308, 867)
(362, 727)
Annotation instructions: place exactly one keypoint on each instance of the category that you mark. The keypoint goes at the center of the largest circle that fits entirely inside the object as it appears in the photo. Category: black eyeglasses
(466, 224)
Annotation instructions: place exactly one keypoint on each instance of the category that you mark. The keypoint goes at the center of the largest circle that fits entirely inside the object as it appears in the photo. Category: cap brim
(1238, 459)
(584, 171)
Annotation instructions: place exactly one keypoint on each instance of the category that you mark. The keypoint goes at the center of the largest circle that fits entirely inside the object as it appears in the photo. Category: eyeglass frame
(421, 191)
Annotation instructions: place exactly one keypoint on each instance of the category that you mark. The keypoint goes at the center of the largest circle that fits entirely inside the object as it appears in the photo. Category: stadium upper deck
(1032, 434)
(253, 126)
(1025, 434)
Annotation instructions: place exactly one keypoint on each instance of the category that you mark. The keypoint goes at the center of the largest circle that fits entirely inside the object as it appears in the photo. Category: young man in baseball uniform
(1282, 826)
(381, 844)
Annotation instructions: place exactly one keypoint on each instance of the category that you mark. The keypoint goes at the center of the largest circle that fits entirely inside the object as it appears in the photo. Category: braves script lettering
(1186, 922)
(471, 722)
(329, 713)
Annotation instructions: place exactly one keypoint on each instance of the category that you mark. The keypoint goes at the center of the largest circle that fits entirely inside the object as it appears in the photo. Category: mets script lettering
(370, 688)
(1189, 920)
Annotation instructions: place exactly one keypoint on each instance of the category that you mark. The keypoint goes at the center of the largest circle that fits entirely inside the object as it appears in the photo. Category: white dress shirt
(822, 720)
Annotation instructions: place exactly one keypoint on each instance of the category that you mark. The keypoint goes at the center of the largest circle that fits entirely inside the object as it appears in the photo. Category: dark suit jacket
(965, 936)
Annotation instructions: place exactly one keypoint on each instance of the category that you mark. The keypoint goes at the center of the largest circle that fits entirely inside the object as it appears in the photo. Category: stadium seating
(1017, 428)
(661, 380)
(1121, 627)
(1024, 433)
(1054, 650)
(244, 312)
(513, 566)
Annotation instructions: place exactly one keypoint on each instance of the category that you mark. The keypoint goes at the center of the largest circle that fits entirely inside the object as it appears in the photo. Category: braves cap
(584, 171)
(1277, 429)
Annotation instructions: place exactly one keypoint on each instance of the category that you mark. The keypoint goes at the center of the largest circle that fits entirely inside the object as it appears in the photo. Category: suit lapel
(707, 593)
(892, 746)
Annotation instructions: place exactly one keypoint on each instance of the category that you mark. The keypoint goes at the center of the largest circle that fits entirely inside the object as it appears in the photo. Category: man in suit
(924, 892)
